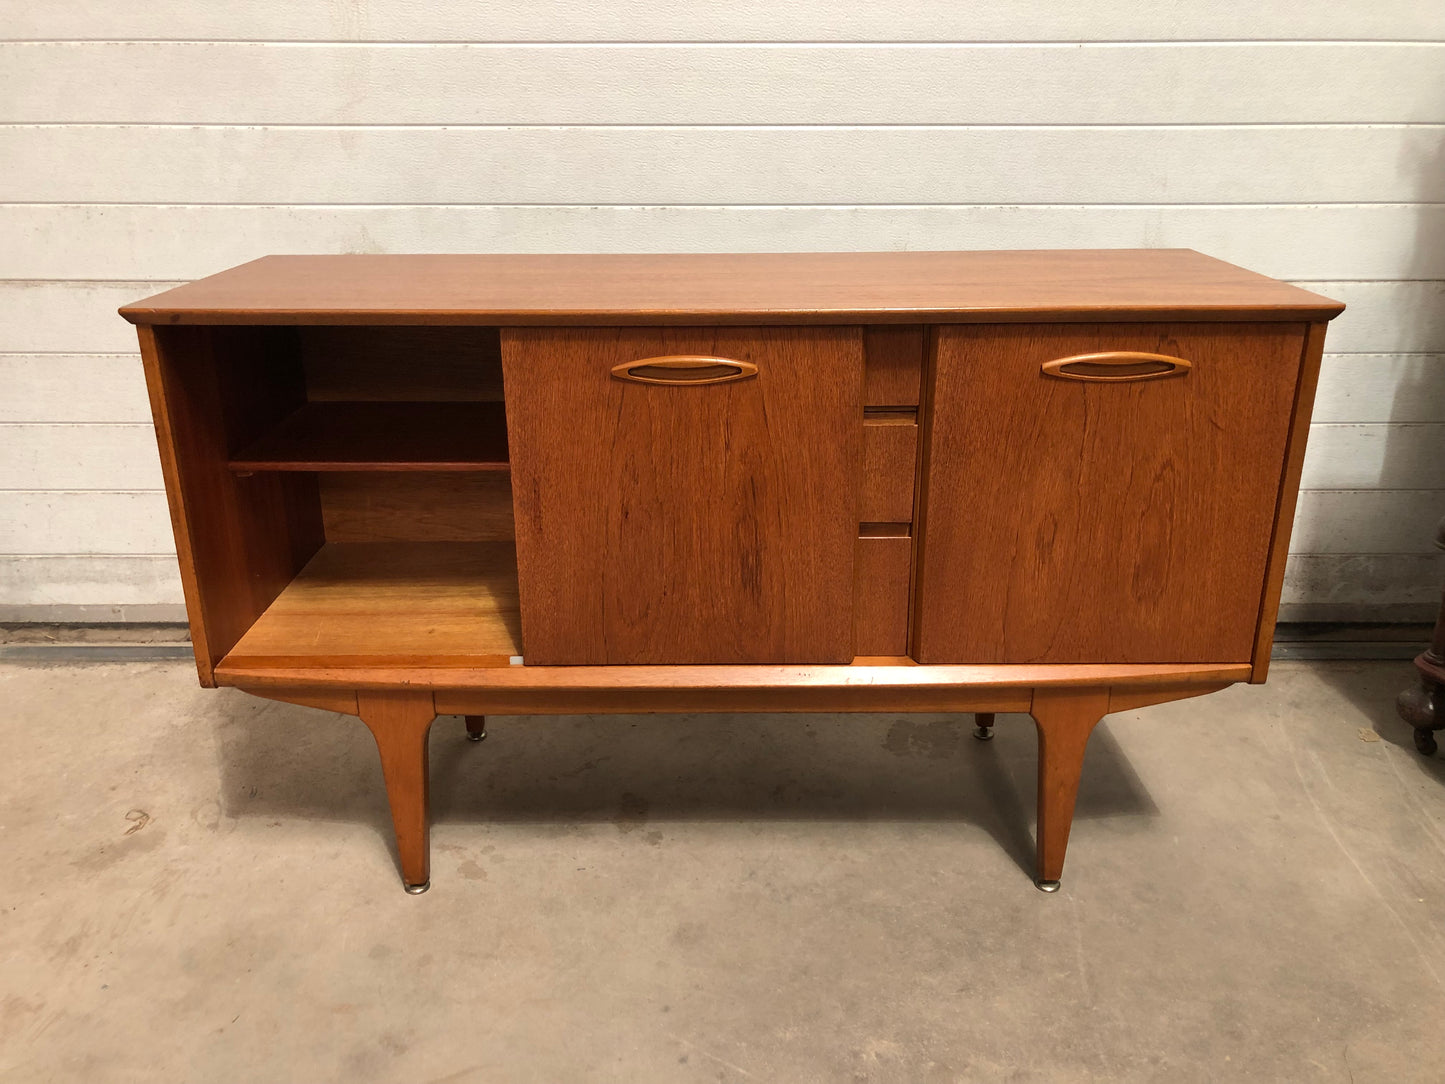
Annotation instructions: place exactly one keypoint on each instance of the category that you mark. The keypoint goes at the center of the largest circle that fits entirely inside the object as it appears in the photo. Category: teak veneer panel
(1309, 377)
(416, 506)
(890, 454)
(734, 288)
(382, 436)
(399, 603)
(426, 364)
(883, 574)
(685, 524)
(239, 540)
(893, 372)
(867, 684)
(1068, 521)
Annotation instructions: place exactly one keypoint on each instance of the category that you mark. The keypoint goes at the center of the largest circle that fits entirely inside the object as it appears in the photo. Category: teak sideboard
(1049, 482)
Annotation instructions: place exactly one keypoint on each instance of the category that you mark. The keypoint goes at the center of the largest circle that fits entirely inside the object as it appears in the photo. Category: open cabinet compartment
(347, 494)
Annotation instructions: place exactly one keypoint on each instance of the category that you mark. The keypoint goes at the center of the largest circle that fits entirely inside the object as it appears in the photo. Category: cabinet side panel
(239, 539)
(1299, 431)
(659, 523)
(1076, 521)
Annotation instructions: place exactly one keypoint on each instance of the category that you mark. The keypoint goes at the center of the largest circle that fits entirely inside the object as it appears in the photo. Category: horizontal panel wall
(238, 130)
(1330, 242)
(1202, 163)
(209, 83)
(737, 20)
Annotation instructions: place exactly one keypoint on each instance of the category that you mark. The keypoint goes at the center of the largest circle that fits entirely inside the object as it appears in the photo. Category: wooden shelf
(397, 603)
(391, 436)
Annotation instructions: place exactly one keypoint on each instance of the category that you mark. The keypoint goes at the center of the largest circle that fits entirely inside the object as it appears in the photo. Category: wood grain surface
(1299, 430)
(387, 436)
(734, 288)
(894, 683)
(883, 576)
(1064, 718)
(239, 540)
(400, 720)
(698, 524)
(890, 454)
(388, 506)
(894, 360)
(432, 364)
(426, 603)
(1076, 522)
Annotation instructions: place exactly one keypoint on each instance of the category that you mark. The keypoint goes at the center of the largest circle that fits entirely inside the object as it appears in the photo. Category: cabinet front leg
(400, 722)
(476, 727)
(1065, 718)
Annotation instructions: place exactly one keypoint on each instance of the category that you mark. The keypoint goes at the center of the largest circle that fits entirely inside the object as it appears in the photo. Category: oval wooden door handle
(684, 369)
(1114, 366)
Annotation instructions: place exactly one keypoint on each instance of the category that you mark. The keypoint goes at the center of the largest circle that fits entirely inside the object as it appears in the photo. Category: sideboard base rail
(1065, 712)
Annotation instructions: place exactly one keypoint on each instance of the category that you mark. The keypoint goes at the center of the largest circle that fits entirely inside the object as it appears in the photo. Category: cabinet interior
(385, 448)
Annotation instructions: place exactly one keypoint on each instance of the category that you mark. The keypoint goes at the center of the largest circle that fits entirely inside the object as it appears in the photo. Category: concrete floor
(200, 887)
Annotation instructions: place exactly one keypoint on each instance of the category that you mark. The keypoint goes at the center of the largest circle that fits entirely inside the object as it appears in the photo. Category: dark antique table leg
(1420, 706)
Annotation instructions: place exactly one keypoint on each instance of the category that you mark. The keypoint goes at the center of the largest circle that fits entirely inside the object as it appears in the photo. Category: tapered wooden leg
(1065, 718)
(400, 722)
(476, 727)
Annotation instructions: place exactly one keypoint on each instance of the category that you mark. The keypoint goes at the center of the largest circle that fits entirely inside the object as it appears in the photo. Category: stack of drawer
(884, 561)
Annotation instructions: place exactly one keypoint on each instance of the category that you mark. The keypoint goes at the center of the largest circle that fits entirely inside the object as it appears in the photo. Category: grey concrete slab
(200, 887)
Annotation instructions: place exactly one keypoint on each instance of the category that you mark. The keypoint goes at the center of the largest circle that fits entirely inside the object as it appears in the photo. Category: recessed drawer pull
(684, 369)
(1114, 366)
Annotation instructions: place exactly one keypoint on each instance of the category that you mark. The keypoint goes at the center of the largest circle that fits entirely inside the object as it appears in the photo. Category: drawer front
(1070, 516)
(889, 458)
(894, 355)
(890, 451)
(670, 510)
(883, 579)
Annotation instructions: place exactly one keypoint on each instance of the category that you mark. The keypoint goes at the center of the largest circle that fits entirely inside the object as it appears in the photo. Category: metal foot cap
(983, 733)
(417, 890)
(1047, 886)
(476, 737)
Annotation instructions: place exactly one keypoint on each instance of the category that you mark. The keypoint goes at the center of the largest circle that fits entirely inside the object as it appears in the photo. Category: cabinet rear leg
(476, 728)
(983, 725)
(400, 722)
(1065, 718)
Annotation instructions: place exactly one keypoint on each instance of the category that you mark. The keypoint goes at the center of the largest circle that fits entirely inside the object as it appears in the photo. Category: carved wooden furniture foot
(400, 721)
(983, 725)
(1065, 718)
(476, 728)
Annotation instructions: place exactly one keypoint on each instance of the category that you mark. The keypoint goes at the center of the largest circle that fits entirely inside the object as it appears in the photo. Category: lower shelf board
(421, 604)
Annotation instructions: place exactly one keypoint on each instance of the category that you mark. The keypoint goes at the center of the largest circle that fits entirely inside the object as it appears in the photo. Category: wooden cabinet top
(758, 288)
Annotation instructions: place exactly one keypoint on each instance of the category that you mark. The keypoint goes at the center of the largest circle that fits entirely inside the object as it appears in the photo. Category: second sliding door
(685, 495)
(1102, 493)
